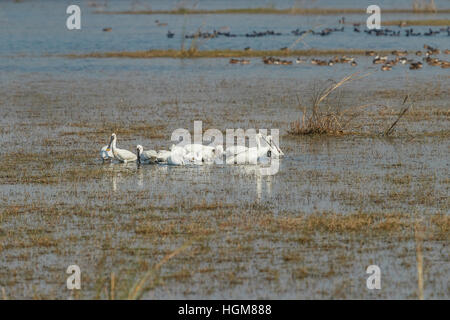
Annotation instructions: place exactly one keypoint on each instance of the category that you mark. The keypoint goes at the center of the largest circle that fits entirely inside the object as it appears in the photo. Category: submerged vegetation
(232, 231)
(364, 180)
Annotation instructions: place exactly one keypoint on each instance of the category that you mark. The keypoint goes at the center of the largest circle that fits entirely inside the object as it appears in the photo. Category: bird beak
(273, 144)
(278, 149)
(109, 145)
(265, 139)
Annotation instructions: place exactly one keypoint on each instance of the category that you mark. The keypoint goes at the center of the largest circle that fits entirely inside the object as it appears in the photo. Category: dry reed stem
(113, 286)
(400, 115)
(418, 239)
(330, 122)
(136, 290)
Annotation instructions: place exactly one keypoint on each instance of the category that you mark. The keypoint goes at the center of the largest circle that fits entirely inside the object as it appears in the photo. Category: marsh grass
(235, 244)
(254, 244)
(193, 52)
(141, 284)
(333, 120)
(424, 6)
(362, 223)
(428, 22)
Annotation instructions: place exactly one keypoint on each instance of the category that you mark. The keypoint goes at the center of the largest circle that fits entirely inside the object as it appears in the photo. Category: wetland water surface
(337, 205)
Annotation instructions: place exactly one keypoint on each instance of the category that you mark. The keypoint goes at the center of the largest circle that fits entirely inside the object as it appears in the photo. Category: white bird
(234, 150)
(193, 158)
(176, 159)
(202, 153)
(178, 149)
(148, 156)
(120, 154)
(177, 156)
(270, 148)
(199, 148)
(106, 153)
(274, 149)
(261, 151)
(194, 147)
(163, 155)
(242, 154)
(215, 154)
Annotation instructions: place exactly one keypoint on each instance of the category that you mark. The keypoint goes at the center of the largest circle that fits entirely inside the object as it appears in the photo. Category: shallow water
(61, 205)
(96, 221)
(37, 28)
(33, 34)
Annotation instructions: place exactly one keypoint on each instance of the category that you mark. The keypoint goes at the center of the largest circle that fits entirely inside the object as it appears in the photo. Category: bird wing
(151, 155)
(163, 155)
(125, 154)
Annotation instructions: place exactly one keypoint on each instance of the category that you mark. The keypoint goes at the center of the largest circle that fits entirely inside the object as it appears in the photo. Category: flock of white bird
(196, 154)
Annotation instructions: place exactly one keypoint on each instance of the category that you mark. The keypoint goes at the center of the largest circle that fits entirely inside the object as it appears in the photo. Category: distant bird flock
(399, 57)
(410, 32)
(386, 64)
(194, 154)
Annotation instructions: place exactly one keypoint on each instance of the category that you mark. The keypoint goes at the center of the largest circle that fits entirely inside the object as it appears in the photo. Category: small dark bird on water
(415, 65)
(160, 24)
